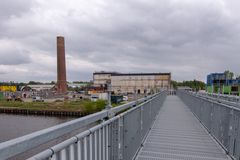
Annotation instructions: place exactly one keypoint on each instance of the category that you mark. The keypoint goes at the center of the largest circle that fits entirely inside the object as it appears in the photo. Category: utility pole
(109, 90)
(135, 93)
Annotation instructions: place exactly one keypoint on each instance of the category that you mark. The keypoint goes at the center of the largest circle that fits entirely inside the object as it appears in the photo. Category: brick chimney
(61, 66)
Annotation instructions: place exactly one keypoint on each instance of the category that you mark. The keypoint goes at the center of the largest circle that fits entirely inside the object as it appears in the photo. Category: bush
(92, 107)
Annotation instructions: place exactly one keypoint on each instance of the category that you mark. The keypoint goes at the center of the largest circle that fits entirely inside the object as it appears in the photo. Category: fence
(116, 138)
(221, 120)
(232, 98)
(227, 99)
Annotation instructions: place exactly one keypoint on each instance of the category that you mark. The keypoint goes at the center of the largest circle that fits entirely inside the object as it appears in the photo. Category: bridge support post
(116, 139)
(231, 133)
(120, 138)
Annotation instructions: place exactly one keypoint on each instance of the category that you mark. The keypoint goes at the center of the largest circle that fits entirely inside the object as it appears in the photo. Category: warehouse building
(142, 83)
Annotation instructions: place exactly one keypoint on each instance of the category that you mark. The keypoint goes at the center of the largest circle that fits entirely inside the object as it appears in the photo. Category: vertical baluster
(95, 145)
(80, 149)
(75, 151)
(91, 146)
(85, 148)
(67, 153)
(107, 142)
(100, 144)
(58, 156)
(54, 157)
(103, 142)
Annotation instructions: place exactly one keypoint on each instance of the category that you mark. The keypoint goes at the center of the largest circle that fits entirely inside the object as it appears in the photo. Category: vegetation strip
(72, 108)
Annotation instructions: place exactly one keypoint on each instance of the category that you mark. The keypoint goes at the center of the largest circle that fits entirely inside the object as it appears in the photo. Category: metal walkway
(178, 135)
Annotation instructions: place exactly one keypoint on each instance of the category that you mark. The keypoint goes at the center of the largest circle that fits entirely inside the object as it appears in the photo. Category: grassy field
(81, 105)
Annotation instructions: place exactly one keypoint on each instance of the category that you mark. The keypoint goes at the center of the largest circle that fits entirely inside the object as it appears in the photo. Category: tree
(174, 84)
(52, 82)
(229, 75)
(194, 84)
(238, 77)
(33, 83)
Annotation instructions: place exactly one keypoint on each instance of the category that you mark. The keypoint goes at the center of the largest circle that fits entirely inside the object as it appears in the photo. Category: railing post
(141, 116)
(114, 140)
(116, 144)
(120, 138)
(109, 105)
(231, 132)
(150, 111)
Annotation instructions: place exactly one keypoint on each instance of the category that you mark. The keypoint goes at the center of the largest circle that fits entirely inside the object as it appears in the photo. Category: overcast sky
(189, 38)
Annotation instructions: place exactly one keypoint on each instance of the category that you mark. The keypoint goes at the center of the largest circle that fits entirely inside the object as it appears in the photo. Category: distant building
(6, 88)
(38, 87)
(77, 85)
(220, 83)
(132, 82)
(101, 79)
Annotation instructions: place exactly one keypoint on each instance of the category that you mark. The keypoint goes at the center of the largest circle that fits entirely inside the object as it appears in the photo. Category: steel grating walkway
(178, 135)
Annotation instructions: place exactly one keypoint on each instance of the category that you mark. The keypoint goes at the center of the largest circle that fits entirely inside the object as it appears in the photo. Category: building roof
(131, 74)
(140, 74)
(103, 72)
(216, 74)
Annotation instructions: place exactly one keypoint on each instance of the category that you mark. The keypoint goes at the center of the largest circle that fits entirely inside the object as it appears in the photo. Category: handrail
(221, 97)
(22, 144)
(227, 104)
(58, 147)
(96, 131)
(220, 118)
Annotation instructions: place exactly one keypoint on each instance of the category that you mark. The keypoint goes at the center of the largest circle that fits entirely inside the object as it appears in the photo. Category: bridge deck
(178, 135)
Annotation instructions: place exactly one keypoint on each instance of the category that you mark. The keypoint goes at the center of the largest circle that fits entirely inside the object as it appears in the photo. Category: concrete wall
(101, 79)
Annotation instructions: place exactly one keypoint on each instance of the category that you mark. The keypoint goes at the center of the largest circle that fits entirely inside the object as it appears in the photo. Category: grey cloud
(13, 56)
(11, 9)
(187, 38)
(78, 75)
(174, 28)
(2, 72)
(14, 7)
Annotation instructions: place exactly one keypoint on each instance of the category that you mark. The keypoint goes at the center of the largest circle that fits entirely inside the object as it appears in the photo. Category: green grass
(118, 104)
(81, 105)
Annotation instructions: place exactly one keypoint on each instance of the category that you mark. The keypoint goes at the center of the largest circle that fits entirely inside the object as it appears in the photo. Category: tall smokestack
(61, 66)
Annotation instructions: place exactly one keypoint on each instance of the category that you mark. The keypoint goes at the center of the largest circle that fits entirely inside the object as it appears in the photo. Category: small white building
(38, 87)
(97, 96)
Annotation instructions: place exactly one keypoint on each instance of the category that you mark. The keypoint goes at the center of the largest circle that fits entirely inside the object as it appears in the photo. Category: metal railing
(221, 120)
(230, 98)
(117, 138)
(102, 142)
(225, 99)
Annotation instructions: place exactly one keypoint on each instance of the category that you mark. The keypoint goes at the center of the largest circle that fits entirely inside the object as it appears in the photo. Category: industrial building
(141, 83)
(220, 83)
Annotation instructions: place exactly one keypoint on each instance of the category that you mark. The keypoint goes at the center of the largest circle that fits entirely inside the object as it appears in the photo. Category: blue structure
(220, 83)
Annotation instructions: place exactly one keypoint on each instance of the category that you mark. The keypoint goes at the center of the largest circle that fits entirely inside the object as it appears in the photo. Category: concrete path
(178, 135)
